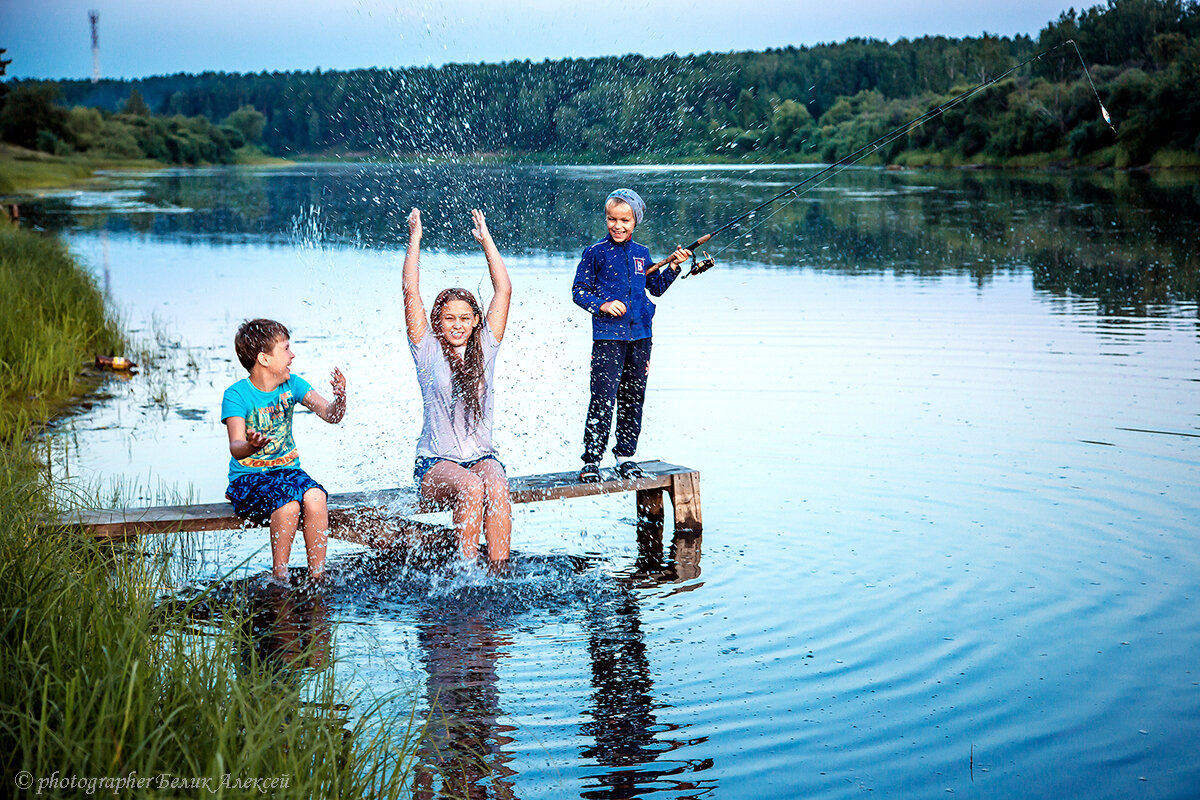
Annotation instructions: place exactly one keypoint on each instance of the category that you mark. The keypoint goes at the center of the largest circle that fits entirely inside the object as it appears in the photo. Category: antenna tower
(94, 18)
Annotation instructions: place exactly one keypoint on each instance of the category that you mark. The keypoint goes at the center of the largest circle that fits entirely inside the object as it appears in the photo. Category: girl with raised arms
(455, 354)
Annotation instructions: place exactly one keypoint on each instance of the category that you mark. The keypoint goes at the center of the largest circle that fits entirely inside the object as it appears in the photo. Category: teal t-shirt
(269, 413)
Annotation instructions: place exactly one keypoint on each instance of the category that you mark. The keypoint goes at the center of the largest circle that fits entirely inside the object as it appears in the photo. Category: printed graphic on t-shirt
(639, 266)
(274, 422)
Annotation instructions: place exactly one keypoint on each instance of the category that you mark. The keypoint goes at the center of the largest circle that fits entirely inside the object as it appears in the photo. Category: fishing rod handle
(653, 268)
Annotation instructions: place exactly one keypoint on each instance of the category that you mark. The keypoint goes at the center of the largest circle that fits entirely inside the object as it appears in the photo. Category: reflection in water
(464, 636)
(462, 754)
(287, 631)
(286, 635)
(629, 741)
(464, 622)
(1082, 234)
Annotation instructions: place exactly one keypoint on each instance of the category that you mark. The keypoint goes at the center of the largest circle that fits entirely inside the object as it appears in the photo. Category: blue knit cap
(634, 200)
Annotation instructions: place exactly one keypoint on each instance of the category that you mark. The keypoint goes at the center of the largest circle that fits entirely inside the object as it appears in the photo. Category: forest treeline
(794, 103)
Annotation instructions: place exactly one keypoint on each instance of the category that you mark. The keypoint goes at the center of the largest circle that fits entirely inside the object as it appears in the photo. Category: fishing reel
(705, 264)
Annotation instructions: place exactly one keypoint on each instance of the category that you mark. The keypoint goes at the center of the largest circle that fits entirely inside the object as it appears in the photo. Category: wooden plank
(558, 485)
(349, 511)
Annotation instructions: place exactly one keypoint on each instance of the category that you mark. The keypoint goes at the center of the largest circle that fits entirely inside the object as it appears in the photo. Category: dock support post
(685, 498)
(650, 505)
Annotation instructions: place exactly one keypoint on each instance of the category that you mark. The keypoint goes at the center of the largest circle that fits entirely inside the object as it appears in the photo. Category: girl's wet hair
(466, 373)
(256, 336)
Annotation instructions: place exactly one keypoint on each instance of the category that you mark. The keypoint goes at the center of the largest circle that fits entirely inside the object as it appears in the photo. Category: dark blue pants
(619, 372)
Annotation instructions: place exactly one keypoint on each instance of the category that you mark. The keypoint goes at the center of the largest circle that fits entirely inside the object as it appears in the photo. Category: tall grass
(102, 681)
(53, 321)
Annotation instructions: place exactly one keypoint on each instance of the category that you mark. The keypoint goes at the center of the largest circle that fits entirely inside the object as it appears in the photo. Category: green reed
(103, 680)
(54, 323)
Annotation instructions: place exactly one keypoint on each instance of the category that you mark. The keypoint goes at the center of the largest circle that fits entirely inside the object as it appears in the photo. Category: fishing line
(846, 162)
(1082, 63)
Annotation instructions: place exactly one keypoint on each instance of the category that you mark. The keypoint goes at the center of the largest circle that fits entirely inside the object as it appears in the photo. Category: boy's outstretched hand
(480, 231)
(414, 224)
(330, 412)
(256, 440)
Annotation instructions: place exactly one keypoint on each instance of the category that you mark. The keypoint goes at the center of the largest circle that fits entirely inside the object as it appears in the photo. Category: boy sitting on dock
(266, 484)
(611, 282)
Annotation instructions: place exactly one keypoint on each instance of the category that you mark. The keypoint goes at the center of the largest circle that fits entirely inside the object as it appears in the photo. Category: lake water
(948, 435)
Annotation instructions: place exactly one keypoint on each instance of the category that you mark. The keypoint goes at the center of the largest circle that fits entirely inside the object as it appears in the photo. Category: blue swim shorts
(255, 497)
(425, 463)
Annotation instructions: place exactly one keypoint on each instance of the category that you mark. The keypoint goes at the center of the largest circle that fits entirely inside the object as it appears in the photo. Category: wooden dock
(377, 518)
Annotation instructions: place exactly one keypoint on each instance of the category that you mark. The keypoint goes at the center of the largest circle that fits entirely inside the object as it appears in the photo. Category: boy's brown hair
(256, 336)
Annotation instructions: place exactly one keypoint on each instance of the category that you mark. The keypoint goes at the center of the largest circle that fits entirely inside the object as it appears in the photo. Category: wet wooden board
(373, 516)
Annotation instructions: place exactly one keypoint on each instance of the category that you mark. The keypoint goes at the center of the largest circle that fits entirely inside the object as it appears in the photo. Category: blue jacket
(609, 271)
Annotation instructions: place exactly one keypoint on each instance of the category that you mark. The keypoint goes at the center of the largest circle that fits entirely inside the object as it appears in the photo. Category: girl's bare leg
(316, 532)
(284, 521)
(447, 482)
(497, 509)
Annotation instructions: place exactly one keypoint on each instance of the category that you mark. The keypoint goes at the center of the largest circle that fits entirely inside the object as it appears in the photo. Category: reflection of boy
(266, 484)
(611, 282)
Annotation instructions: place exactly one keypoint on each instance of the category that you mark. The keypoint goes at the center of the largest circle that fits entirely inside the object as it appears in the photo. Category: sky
(138, 38)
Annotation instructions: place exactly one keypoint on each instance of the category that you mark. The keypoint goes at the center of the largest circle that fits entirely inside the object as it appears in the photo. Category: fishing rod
(848, 161)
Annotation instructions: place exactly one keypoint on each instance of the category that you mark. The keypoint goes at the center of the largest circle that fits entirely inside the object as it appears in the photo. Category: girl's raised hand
(480, 231)
(414, 224)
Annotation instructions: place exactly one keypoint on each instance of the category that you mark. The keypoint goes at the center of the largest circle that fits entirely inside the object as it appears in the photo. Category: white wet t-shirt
(445, 431)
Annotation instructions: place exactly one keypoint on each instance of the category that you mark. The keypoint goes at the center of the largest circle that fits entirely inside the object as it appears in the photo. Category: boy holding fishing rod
(611, 282)
(266, 484)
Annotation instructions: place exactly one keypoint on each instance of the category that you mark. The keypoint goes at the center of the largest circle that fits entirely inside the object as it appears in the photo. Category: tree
(4, 62)
(135, 105)
(568, 129)
(29, 110)
(250, 121)
(791, 124)
(747, 112)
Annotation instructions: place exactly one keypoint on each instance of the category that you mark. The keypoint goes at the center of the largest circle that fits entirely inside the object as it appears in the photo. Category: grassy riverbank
(23, 170)
(102, 682)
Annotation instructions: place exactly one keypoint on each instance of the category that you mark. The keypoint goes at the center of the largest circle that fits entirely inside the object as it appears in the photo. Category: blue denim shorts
(255, 497)
(425, 463)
